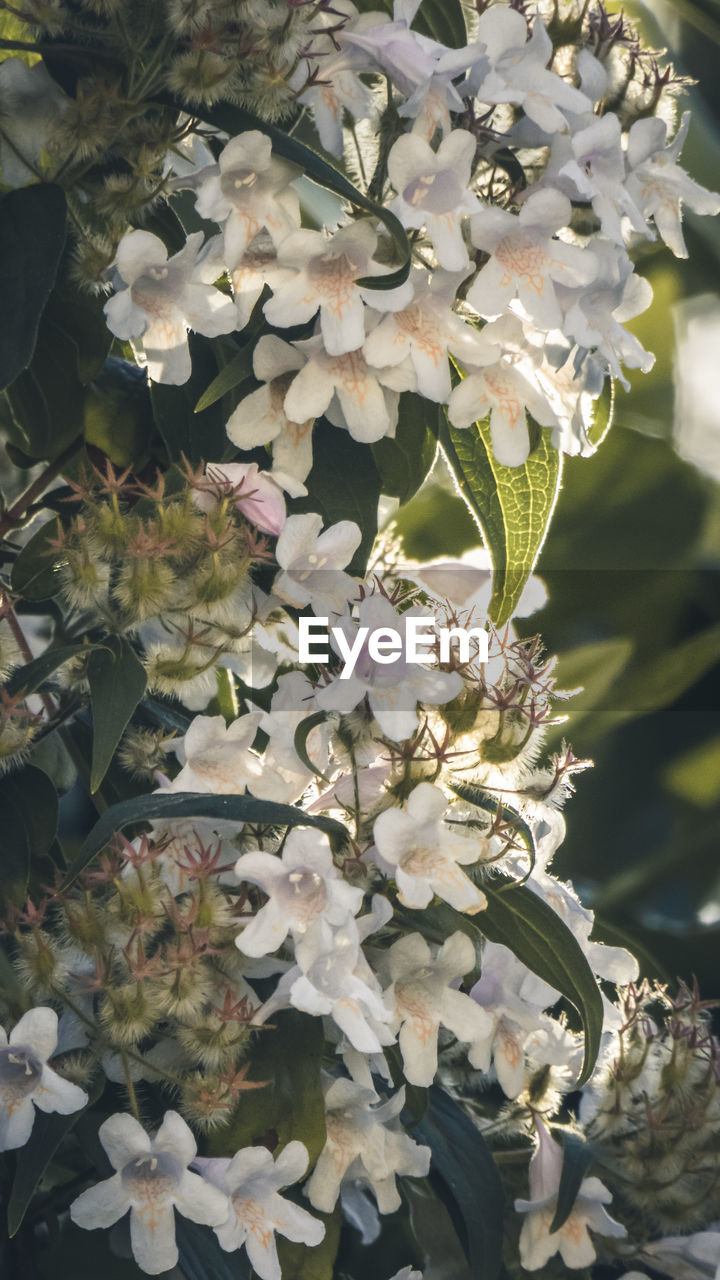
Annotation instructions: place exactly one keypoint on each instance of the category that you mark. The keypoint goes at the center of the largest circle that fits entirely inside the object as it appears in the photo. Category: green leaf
(661, 681)
(343, 485)
(594, 668)
(237, 370)
(603, 413)
(302, 734)
(521, 921)
(199, 436)
(405, 461)
(288, 1056)
(33, 1159)
(512, 505)
(35, 674)
(35, 575)
(298, 1262)
(160, 807)
(35, 798)
(202, 1258)
(464, 1161)
(235, 120)
(32, 238)
(476, 796)
(117, 413)
(577, 1158)
(117, 683)
(15, 857)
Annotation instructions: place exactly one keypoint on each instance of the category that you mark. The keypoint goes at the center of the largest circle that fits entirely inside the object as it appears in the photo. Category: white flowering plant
(286, 967)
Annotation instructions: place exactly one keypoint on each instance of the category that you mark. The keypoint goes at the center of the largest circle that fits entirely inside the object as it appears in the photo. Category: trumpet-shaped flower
(312, 563)
(657, 183)
(515, 69)
(217, 758)
(426, 855)
(152, 1179)
(364, 1141)
(26, 1080)
(589, 164)
(428, 331)
(513, 999)
(348, 391)
(260, 418)
(256, 267)
(252, 1181)
(327, 271)
(257, 494)
(572, 1241)
(302, 886)
(425, 999)
(432, 191)
(526, 259)
(393, 687)
(160, 298)
(596, 318)
(249, 191)
(695, 1257)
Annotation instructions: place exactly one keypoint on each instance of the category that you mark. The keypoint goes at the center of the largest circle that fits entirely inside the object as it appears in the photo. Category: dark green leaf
(32, 237)
(15, 856)
(117, 413)
(298, 1262)
(661, 682)
(476, 796)
(35, 575)
(160, 806)
(302, 734)
(464, 1161)
(117, 683)
(199, 436)
(47, 400)
(520, 920)
(34, 1158)
(343, 485)
(35, 798)
(405, 461)
(235, 120)
(512, 505)
(201, 1257)
(30, 678)
(577, 1158)
(237, 370)
(288, 1057)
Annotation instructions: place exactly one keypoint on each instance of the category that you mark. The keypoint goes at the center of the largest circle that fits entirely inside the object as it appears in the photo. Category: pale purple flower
(248, 192)
(432, 191)
(27, 1081)
(658, 184)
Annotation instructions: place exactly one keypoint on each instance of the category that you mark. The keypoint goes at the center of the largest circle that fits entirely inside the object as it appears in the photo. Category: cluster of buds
(170, 566)
(655, 1112)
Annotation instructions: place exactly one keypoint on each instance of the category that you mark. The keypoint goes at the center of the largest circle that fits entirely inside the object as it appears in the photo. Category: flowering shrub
(311, 970)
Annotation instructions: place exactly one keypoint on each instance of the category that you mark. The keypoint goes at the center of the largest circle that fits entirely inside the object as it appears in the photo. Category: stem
(19, 634)
(14, 514)
(132, 1096)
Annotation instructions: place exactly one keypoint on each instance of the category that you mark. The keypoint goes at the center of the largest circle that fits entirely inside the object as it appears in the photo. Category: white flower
(596, 319)
(151, 1180)
(590, 165)
(393, 687)
(408, 58)
(407, 1273)
(257, 494)
(302, 885)
(332, 978)
(249, 191)
(571, 1241)
(347, 391)
(515, 70)
(426, 854)
(658, 185)
(526, 259)
(260, 417)
(312, 563)
(217, 758)
(336, 87)
(292, 702)
(514, 999)
(256, 267)
(432, 191)
(425, 999)
(327, 271)
(364, 1141)
(160, 298)
(26, 1080)
(427, 330)
(252, 1180)
(694, 1257)
(504, 388)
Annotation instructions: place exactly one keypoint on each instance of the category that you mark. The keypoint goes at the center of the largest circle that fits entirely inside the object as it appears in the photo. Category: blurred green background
(632, 566)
